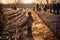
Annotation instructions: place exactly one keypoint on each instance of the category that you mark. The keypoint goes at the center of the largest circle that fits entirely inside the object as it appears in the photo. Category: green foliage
(3, 20)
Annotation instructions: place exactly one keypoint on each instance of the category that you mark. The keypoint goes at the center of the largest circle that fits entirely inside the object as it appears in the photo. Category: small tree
(1, 24)
(3, 19)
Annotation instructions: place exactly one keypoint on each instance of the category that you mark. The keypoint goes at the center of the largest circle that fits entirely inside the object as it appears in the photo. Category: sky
(24, 1)
(7, 1)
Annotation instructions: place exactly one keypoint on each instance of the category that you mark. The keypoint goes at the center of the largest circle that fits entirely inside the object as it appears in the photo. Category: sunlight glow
(28, 1)
(8, 1)
(24, 1)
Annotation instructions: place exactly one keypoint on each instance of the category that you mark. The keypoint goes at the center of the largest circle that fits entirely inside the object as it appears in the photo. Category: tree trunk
(47, 1)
